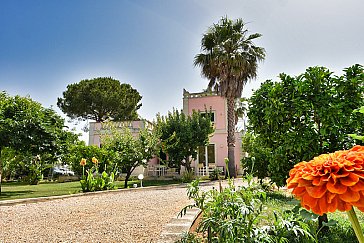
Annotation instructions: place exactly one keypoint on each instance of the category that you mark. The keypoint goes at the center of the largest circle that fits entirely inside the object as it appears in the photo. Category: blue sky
(47, 44)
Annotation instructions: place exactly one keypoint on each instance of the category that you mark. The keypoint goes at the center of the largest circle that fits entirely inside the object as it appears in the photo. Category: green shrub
(94, 181)
(98, 182)
(236, 215)
(189, 238)
(187, 176)
(215, 174)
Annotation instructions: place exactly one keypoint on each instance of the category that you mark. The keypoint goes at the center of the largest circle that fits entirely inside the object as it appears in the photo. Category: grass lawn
(341, 232)
(18, 190)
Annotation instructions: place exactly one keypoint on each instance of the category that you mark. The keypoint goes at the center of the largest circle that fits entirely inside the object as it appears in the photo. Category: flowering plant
(95, 161)
(96, 182)
(331, 182)
(83, 163)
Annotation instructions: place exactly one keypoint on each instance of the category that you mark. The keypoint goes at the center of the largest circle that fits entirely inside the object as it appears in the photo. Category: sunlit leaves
(303, 116)
(100, 99)
(181, 135)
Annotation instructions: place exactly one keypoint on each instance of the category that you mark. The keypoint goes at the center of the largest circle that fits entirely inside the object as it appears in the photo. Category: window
(201, 155)
(210, 151)
(212, 115)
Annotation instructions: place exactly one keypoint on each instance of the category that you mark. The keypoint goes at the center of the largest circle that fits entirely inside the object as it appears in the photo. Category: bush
(236, 215)
(189, 238)
(98, 182)
(187, 177)
(215, 174)
(94, 181)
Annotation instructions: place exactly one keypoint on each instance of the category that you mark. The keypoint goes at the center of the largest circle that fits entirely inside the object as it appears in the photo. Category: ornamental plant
(237, 214)
(94, 181)
(83, 163)
(331, 182)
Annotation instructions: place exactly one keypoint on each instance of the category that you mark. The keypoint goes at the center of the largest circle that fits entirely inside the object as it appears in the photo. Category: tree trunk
(128, 174)
(127, 179)
(188, 165)
(231, 135)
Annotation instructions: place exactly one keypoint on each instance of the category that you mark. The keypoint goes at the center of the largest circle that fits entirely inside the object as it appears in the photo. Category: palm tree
(229, 59)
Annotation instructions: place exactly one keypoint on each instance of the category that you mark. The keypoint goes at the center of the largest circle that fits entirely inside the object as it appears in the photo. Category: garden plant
(239, 214)
(332, 182)
(94, 181)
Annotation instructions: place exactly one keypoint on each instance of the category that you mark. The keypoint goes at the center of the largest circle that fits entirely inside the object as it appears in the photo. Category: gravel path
(125, 216)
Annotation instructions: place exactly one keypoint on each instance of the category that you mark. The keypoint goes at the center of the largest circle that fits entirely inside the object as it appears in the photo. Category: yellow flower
(94, 160)
(83, 162)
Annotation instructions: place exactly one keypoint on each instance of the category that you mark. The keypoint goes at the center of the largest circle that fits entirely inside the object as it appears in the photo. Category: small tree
(181, 135)
(257, 160)
(128, 151)
(31, 129)
(302, 117)
(100, 99)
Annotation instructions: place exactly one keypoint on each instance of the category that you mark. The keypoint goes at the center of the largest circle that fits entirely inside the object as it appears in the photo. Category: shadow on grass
(14, 194)
(279, 196)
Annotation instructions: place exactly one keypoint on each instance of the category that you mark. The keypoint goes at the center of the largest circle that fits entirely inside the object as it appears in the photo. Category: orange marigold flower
(94, 160)
(83, 162)
(330, 182)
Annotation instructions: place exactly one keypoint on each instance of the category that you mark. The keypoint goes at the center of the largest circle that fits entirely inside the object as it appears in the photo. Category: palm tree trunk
(231, 135)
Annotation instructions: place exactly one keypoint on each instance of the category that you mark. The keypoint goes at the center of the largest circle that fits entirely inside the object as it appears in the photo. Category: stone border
(81, 194)
(44, 199)
(173, 230)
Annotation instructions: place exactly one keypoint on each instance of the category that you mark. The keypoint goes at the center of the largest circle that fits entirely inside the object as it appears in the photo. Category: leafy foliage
(94, 181)
(356, 136)
(256, 162)
(187, 176)
(128, 151)
(79, 151)
(27, 126)
(100, 99)
(235, 215)
(31, 130)
(189, 238)
(181, 135)
(98, 183)
(215, 174)
(229, 59)
(301, 117)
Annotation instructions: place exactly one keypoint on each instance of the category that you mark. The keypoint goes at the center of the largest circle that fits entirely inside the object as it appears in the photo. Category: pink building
(208, 158)
(212, 155)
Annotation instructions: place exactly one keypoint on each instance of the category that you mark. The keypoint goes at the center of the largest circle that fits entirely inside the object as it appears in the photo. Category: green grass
(18, 190)
(341, 232)
(15, 190)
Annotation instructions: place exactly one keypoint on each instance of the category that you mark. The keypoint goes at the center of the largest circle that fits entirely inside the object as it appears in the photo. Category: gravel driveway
(124, 216)
(128, 216)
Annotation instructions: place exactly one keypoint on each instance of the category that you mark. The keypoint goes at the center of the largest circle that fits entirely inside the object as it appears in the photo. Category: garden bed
(279, 213)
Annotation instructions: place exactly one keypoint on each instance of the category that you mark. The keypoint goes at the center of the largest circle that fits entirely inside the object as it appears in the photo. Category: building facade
(97, 129)
(208, 157)
(213, 155)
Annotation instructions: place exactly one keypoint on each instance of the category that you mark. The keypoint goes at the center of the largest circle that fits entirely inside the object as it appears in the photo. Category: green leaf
(330, 223)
